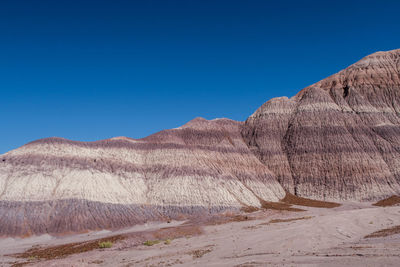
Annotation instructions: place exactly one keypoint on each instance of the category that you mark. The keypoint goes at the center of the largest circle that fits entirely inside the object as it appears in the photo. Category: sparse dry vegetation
(391, 201)
(105, 244)
(151, 242)
(62, 251)
(97, 262)
(200, 253)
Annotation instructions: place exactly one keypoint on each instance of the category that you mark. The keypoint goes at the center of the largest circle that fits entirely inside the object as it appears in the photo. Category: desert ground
(350, 234)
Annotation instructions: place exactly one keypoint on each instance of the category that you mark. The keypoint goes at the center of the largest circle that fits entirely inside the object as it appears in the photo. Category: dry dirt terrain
(352, 234)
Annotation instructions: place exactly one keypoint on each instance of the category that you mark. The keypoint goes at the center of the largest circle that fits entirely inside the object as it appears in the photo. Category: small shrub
(167, 242)
(106, 244)
(151, 242)
(199, 253)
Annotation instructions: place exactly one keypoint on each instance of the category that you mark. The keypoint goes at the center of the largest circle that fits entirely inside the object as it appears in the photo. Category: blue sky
(89, 70)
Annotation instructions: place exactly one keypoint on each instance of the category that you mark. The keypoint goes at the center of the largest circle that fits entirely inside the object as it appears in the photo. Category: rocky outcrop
(56, 185)
(338, 139)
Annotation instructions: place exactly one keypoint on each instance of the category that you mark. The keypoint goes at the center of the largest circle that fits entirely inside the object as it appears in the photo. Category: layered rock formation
(338, 139)
(55, 185)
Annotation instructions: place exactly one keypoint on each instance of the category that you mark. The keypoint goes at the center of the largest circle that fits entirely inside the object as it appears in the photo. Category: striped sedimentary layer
(338, 139)
(25, 218)
(201, 167)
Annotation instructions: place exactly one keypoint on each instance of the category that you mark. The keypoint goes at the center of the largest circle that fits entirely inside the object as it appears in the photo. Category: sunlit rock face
(338, 139)
(56, 185)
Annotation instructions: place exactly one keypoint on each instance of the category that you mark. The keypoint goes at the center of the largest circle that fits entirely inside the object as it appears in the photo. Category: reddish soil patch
(66, 249)
(20, 264)
(280, 221)
(289, 220)
(391, 201)
(301, 201)
(129, 240)
(249, 209)
(176, 232)
(278, 206)
(226, 218)
(385, 232)
(289, 200)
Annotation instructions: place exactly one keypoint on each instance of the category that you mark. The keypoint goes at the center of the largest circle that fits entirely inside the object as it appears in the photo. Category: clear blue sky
(89, 70)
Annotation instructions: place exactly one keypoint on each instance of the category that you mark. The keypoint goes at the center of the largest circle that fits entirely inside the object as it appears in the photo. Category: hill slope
(338, 139)
(55, 185)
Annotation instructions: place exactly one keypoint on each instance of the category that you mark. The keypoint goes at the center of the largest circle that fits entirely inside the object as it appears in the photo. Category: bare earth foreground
(314, 237)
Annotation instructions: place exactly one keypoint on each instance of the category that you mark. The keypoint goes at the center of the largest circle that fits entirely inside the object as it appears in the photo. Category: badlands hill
(338, 139)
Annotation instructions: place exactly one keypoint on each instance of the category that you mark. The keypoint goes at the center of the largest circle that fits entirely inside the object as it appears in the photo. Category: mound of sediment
(338, 139)
(55, 185)
(390, 201)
